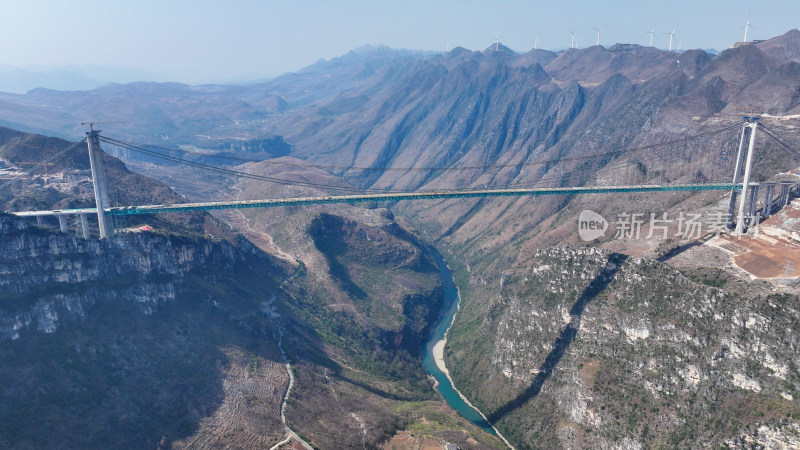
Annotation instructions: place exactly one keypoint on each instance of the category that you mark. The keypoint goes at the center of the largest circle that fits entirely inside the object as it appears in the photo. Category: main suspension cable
(785, 146)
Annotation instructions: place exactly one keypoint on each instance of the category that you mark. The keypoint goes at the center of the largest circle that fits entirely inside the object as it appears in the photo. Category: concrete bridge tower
(99, 181)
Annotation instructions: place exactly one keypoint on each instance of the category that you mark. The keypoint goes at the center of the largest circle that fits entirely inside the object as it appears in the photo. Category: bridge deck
(299, 201)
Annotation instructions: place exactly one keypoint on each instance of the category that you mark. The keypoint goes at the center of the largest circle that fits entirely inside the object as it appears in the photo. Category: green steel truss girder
(392, 197)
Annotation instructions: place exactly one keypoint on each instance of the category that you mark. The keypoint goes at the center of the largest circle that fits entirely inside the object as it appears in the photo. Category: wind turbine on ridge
(652, 32)
(496, 40)
(671, 36)
(598, 35)
(747, 27)
(572, 40)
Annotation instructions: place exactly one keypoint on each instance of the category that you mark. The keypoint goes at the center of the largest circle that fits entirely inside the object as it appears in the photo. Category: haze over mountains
(19, 80)
(623, 343)
(152, 111)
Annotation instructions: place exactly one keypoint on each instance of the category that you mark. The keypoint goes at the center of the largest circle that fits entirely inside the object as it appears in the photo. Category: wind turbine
(572, 40)
(536, 43)
(598, 35)
(652, 32)
(671, 36)
(746, 28)
(496, 40)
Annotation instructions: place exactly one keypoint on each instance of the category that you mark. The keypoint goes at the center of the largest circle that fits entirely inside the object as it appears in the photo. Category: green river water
(449, 309)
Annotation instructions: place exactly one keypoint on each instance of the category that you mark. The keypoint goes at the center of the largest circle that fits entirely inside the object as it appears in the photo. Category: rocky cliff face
(137, 340)
(585, 348)
(51, 275)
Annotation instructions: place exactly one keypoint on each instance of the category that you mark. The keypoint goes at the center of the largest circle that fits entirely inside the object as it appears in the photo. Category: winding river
(434, 346)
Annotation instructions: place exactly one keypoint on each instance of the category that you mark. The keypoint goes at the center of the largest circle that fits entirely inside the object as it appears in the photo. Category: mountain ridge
(250, 103)
(355, 269)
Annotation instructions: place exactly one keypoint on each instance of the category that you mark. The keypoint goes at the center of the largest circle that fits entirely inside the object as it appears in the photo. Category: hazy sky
(197, 41)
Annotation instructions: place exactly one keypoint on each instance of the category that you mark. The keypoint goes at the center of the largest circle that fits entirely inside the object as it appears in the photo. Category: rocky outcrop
(585, 348)
(51, 277)
(141, 339)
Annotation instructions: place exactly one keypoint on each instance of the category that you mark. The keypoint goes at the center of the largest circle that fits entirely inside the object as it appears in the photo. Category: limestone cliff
(139, 340)
(586, 348)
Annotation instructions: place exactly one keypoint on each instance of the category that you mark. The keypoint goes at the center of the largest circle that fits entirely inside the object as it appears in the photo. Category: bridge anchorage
(630, 175)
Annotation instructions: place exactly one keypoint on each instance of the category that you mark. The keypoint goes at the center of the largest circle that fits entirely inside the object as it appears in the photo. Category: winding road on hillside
(291, 434)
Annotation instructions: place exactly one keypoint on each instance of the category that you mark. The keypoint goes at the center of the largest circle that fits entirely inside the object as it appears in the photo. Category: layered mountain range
(641, 343)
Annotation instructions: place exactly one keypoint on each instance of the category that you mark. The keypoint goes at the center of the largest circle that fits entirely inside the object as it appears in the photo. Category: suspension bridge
(724, 161)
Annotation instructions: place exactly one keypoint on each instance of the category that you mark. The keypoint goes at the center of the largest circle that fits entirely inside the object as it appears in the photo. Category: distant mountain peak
(499, 48)
(368, 49)
(785, 47)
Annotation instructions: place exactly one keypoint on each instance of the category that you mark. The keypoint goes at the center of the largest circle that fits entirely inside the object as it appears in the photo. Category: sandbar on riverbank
(438, 357)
